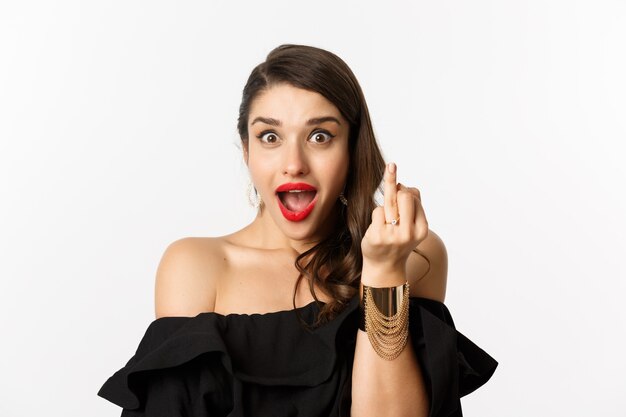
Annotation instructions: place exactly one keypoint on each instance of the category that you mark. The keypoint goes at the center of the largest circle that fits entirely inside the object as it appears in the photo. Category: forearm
(383, 387)
(386, 388)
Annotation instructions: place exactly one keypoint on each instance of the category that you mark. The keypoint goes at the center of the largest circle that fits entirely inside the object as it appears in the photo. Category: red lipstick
(296, 216)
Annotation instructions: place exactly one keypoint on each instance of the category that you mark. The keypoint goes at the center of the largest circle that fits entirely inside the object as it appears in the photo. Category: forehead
(291, 105)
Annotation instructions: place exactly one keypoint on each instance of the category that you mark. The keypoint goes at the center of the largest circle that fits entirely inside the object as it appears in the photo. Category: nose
(295, 160)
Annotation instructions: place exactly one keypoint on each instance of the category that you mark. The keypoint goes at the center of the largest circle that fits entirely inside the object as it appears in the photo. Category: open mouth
(296, 200)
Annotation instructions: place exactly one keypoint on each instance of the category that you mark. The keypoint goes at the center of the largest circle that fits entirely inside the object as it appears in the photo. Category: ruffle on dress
(240, 365)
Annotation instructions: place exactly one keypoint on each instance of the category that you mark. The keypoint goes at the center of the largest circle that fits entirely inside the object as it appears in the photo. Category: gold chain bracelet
(387, 330)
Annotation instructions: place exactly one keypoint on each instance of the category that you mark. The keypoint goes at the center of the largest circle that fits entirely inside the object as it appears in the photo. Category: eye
(268, 137)
(321, 136)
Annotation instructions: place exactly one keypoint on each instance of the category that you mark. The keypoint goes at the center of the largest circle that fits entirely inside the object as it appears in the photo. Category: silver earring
(253, 196)
(343, 199)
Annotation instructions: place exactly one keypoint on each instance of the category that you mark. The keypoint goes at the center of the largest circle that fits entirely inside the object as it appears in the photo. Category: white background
(118, 136)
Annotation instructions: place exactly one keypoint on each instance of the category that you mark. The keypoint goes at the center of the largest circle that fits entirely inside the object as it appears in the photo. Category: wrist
(382, 275)
(384, 316)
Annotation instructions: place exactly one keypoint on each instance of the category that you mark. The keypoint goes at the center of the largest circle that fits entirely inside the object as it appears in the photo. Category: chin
(299, 231)
(306, 231)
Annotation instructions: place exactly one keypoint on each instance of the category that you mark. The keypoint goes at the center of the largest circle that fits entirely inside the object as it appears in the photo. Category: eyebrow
(319, 120)
(314, 121)
(267, 121)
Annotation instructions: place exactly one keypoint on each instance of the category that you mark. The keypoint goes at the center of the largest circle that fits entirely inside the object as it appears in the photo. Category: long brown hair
(335, 263)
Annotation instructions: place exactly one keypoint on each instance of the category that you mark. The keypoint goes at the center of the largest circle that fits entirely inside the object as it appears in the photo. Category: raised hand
(397, 228)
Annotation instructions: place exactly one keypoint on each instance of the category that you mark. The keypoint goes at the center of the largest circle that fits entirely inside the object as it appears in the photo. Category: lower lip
(296, 216)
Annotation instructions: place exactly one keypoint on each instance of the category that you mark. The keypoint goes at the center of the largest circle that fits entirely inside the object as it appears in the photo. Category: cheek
(258, 174)
(344, 163)
(258, 165)
(335, 170)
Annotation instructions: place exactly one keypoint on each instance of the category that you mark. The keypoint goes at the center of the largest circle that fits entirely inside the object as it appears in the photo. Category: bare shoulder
(186, 278)
(428, 280)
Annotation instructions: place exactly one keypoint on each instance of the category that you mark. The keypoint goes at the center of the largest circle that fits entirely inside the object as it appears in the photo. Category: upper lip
(289, 186)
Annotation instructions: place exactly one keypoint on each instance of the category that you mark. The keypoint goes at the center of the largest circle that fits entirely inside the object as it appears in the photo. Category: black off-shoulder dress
(261, 365)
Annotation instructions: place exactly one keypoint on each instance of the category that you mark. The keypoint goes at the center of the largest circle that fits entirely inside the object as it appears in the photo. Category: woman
(236, 333)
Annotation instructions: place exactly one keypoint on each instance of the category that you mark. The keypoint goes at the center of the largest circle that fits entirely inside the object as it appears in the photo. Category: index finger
(390, 191)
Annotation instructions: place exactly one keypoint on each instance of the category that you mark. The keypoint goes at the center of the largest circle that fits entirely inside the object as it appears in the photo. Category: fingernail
(391, 167)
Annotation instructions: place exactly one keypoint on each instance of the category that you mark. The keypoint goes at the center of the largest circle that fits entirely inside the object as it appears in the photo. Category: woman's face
(298, 158)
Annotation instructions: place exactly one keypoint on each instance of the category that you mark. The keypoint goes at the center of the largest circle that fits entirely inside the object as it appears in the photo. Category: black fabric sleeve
(453, 366)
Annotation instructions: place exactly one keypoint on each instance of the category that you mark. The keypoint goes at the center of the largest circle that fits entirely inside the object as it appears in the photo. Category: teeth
(295, 191)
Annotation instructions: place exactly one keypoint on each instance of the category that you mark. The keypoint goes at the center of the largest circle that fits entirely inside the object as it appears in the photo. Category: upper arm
(424, 282)
(185, 285)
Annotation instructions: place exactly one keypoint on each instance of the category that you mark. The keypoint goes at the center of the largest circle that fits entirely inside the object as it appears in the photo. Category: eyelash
(325, 132)
(265, 132)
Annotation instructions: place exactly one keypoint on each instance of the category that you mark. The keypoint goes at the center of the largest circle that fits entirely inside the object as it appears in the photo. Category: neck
(264, 233)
